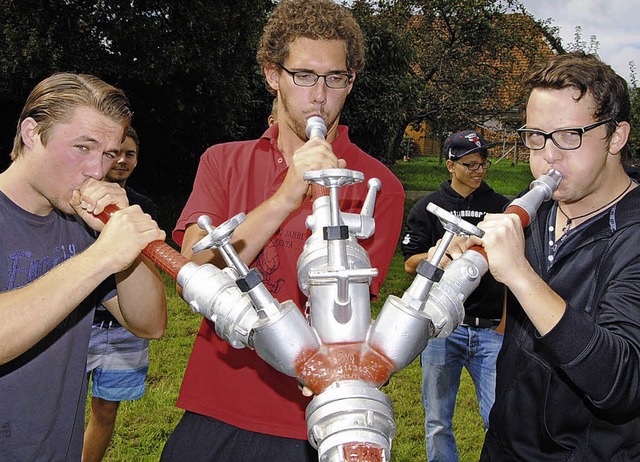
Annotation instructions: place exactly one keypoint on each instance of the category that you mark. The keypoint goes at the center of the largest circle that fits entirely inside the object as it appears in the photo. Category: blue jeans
(442, 361)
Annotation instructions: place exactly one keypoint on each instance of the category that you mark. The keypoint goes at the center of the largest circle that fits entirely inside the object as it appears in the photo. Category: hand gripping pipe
(337, 353)
(349, 417)
(433, 305)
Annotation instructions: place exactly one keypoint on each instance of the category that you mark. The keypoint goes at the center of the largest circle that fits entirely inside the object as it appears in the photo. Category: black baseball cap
(464, 143)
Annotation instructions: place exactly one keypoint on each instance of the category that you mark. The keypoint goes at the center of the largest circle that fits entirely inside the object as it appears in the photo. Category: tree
(188, 68)
(38, 38)
(383, 99)
(451, 63)
(472, 53)
(581, 45)
(634, 138)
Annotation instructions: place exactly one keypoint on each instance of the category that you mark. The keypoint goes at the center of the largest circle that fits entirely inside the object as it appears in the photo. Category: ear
(353, 79)
(29, 132)
(272, 73)
(450, 166)
(619, 138)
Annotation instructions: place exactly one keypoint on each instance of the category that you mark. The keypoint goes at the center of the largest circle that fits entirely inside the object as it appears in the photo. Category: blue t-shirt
(42, 392)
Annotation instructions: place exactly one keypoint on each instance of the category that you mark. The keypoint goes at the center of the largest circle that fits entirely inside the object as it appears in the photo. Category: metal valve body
(337, 352)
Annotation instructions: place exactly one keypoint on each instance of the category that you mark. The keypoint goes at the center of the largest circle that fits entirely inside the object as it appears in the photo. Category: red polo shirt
(237, 386)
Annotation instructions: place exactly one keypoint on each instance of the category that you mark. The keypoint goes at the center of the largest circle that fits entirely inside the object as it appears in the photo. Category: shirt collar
(340, 145)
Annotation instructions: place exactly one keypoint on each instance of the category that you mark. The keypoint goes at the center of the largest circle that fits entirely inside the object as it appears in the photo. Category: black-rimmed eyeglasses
(567, 139)
(473, 166)
(309, 79)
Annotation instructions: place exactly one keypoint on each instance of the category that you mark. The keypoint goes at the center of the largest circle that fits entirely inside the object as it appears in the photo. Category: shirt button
(280, 160)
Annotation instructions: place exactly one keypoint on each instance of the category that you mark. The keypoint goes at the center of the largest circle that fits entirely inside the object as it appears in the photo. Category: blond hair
(55, 99)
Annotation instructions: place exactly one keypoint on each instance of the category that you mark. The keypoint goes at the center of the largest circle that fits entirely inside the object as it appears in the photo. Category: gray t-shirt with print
(43, 391)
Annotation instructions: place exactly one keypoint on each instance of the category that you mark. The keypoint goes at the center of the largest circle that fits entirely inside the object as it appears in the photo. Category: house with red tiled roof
(514, 64)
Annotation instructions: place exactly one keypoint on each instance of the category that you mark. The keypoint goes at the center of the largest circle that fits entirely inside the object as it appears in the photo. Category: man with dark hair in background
(118, 361)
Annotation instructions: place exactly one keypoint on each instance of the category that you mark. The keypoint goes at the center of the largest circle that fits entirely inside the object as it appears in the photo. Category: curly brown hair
(313, 19)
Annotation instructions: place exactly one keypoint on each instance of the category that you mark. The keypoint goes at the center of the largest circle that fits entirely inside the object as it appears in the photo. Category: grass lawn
(143, 426)
(426, 174)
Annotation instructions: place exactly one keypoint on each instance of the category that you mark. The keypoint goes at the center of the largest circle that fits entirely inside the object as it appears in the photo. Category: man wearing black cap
(475, 343)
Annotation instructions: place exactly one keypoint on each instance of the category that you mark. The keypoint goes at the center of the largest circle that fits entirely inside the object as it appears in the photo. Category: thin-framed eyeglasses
(473, 166)
(309, 79)
(567, 139)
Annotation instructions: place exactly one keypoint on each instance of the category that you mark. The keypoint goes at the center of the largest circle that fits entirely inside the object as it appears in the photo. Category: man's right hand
(94, 195)
(315, 154)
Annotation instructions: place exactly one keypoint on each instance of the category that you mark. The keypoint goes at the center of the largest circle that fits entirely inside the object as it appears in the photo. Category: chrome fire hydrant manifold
(337, 352)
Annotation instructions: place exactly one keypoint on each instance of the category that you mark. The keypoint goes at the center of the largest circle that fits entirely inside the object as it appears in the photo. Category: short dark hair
(588, 74)
(131, 133)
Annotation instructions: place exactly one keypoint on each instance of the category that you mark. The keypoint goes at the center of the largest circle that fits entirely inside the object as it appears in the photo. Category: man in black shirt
(118, 361)
(475, 343)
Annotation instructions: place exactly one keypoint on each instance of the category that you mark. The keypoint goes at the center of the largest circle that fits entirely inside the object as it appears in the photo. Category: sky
(615, 23)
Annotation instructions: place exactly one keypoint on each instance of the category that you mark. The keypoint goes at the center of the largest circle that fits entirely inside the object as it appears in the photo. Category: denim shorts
(117, 362)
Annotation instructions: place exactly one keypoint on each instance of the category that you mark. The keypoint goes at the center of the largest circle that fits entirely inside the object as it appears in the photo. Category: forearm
(261, 224)
(543, 306)
(504, 244)
(249, 238)
(141, 299)
(28, 314)
(606, 348)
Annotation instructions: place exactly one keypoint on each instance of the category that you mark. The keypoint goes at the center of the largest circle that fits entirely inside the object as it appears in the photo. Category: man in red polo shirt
(238, 407)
